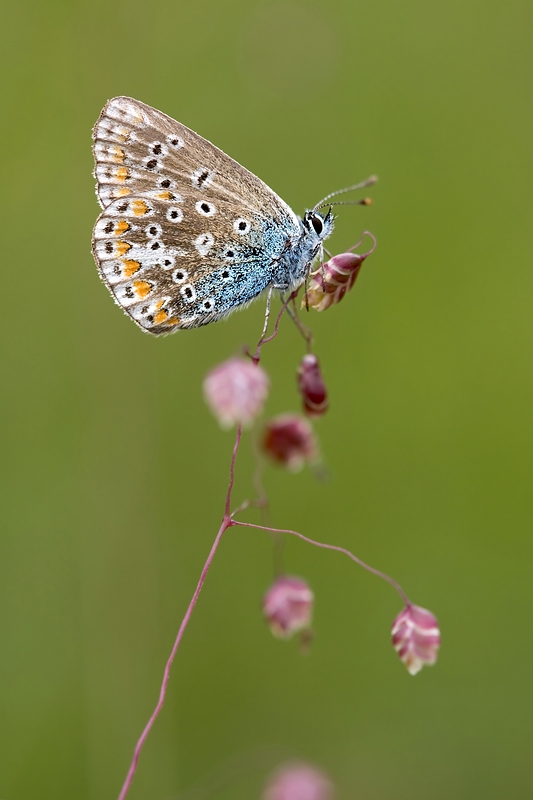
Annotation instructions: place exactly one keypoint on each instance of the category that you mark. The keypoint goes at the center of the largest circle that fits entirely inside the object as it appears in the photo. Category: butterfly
(187, 235)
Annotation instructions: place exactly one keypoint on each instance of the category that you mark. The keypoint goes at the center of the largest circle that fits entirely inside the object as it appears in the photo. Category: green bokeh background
(114, 472)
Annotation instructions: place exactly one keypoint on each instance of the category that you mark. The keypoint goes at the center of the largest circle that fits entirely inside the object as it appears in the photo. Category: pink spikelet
(298, 781)
(236, 391)
(288, 606)
(289, 440)
(416, 637)
(330, 282)
(312, 387)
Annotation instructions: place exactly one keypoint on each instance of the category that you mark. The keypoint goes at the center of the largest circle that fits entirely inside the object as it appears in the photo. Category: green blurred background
(114, 472)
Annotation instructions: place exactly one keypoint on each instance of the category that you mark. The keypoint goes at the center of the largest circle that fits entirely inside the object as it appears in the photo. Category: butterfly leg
(267, 311)
(304, 331)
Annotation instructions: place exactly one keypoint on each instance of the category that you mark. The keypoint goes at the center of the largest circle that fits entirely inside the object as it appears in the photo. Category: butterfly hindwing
(149, 251)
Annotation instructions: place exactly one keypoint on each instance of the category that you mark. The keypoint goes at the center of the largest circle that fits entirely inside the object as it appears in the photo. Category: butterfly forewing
(187, 234)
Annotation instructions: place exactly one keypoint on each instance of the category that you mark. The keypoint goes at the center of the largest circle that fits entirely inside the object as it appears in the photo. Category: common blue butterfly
(187, 235)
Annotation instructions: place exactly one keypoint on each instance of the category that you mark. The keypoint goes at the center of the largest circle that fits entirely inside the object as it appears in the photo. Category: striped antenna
(366, 202)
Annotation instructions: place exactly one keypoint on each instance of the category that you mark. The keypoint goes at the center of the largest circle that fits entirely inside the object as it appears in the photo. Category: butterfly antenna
(369, 182)
(366, 201)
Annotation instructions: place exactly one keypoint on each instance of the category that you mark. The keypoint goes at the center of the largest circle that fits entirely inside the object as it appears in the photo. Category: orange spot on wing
(121, 227)
(139, 207)
(122, 134)
(118, 155)
(130, 267)
(173, 321)
(122, 248)
(138, 117)
(159, 304)
(121, 192)
(142, 288)
(121, 173)
(160, 316)
(165, 196)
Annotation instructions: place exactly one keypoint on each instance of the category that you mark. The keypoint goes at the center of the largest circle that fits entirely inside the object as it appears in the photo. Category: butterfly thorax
(295, 262)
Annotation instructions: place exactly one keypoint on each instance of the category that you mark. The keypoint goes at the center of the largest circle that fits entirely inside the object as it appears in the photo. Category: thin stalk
(227, 522)
(346, 552)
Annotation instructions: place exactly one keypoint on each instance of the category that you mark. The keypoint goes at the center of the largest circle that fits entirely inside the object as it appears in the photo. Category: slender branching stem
(227, 522)
(346, 552)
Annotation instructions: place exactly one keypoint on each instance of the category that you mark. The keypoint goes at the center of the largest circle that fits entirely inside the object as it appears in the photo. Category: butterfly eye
(317, 224)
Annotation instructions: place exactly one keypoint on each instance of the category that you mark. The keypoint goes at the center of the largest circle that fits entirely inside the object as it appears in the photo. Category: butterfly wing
(187, 234)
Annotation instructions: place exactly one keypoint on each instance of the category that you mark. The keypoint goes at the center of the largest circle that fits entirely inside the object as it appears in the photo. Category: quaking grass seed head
(333, 279)
(289, 440)
(236, 391)
(312, 387)
(288, 606)
(298, 781)
(416, 637)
